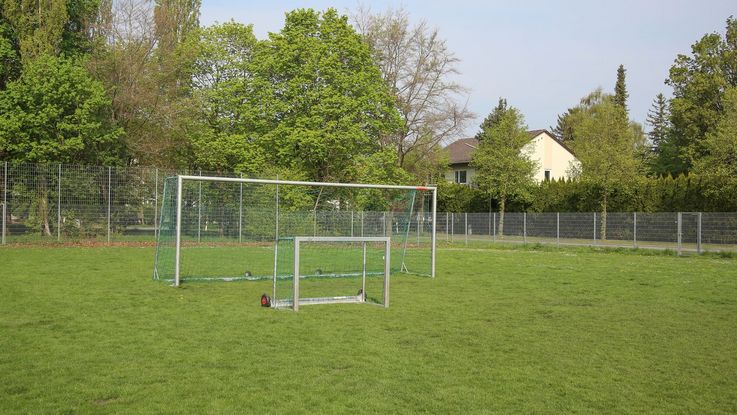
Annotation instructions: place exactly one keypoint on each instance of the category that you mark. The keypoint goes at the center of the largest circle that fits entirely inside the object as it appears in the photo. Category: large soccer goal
(228, 229)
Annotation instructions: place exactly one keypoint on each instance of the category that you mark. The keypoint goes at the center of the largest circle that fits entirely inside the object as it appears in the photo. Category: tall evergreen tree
(620, 89)
(658, 118)
(493, 118)
(564, 128)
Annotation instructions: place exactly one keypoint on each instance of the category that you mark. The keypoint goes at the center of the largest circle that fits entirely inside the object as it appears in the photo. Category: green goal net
(228, 229)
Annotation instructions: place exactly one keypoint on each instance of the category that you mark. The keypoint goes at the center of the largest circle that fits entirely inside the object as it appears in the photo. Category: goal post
(229, 228)
(327, 285)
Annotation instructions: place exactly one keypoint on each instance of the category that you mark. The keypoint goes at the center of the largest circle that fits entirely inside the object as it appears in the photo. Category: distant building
(553, 158)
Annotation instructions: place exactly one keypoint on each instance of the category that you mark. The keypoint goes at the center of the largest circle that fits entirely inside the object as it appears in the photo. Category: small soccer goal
(329, 270)
(231, 229)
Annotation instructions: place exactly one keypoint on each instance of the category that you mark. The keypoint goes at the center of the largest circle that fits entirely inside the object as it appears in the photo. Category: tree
(699, 81)
(606, 147)
(55, 112)
(223, 90)
(564, 127)
(150, 86)
(9, 53)
(720, 161)
(174, 21)
(419, 69)
(658, 118)
(565, 130)
(51, 27)
(494, 117)
(324, 106)
(504, 168)
(620, 89)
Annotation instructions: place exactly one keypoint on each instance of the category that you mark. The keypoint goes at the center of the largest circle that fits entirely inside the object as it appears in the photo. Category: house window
(547, 175)
(461, 176)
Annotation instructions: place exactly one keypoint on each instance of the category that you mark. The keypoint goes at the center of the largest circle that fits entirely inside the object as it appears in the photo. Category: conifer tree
(620, 89)
(493, 118)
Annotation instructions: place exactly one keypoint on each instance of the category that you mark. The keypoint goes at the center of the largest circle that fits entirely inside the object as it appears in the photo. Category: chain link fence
(70, 203)
(678, 231)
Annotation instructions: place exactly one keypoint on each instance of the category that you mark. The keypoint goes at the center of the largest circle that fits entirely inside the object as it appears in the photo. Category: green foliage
(699, 81)
(494, 117)
(55, 112)
(454, 197)
(323, 102)
(606, 147)
(51, 27)
(9, 53)
(504, 170)
(658, 118)
(690, 193)
(620, 89)
(223, 91)
(720, 161)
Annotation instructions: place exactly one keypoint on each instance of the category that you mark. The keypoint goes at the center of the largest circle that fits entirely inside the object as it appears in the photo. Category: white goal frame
(360, 297)
(182, 178)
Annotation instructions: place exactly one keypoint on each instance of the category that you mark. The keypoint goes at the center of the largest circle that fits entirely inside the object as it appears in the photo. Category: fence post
(452, 226)
(156, 203)
(109, 199)
(5, 201)
(447, 222)
(199, 208)
(489, 223)
(557, 228)
(418, 228)
(351, 223)
(679, 229)
(594, 228)
(698, 232)
(240, 211)
(465, 226)
(58, 206)
(494, 221)
(634, 229)
(524, 227)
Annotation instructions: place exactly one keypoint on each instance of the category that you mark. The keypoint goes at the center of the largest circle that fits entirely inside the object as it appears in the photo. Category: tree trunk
(502, 206)
(602, 223)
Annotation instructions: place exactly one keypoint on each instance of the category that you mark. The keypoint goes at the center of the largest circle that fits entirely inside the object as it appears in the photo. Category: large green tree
(606, 146)
(58, 27)
(699, 81)
(720, 161)
(503, 166)
(222, 80)
(55, 112)
(324, 105)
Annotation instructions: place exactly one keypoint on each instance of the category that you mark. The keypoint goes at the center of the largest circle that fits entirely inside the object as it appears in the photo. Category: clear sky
(542, 56)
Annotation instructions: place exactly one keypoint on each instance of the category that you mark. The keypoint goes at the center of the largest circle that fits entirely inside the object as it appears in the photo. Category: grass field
(85, 330)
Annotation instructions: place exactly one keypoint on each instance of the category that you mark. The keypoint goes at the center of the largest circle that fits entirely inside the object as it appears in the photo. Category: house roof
(461, 150)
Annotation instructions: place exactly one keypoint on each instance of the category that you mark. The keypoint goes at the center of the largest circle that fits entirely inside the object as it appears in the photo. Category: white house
(553, 157)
